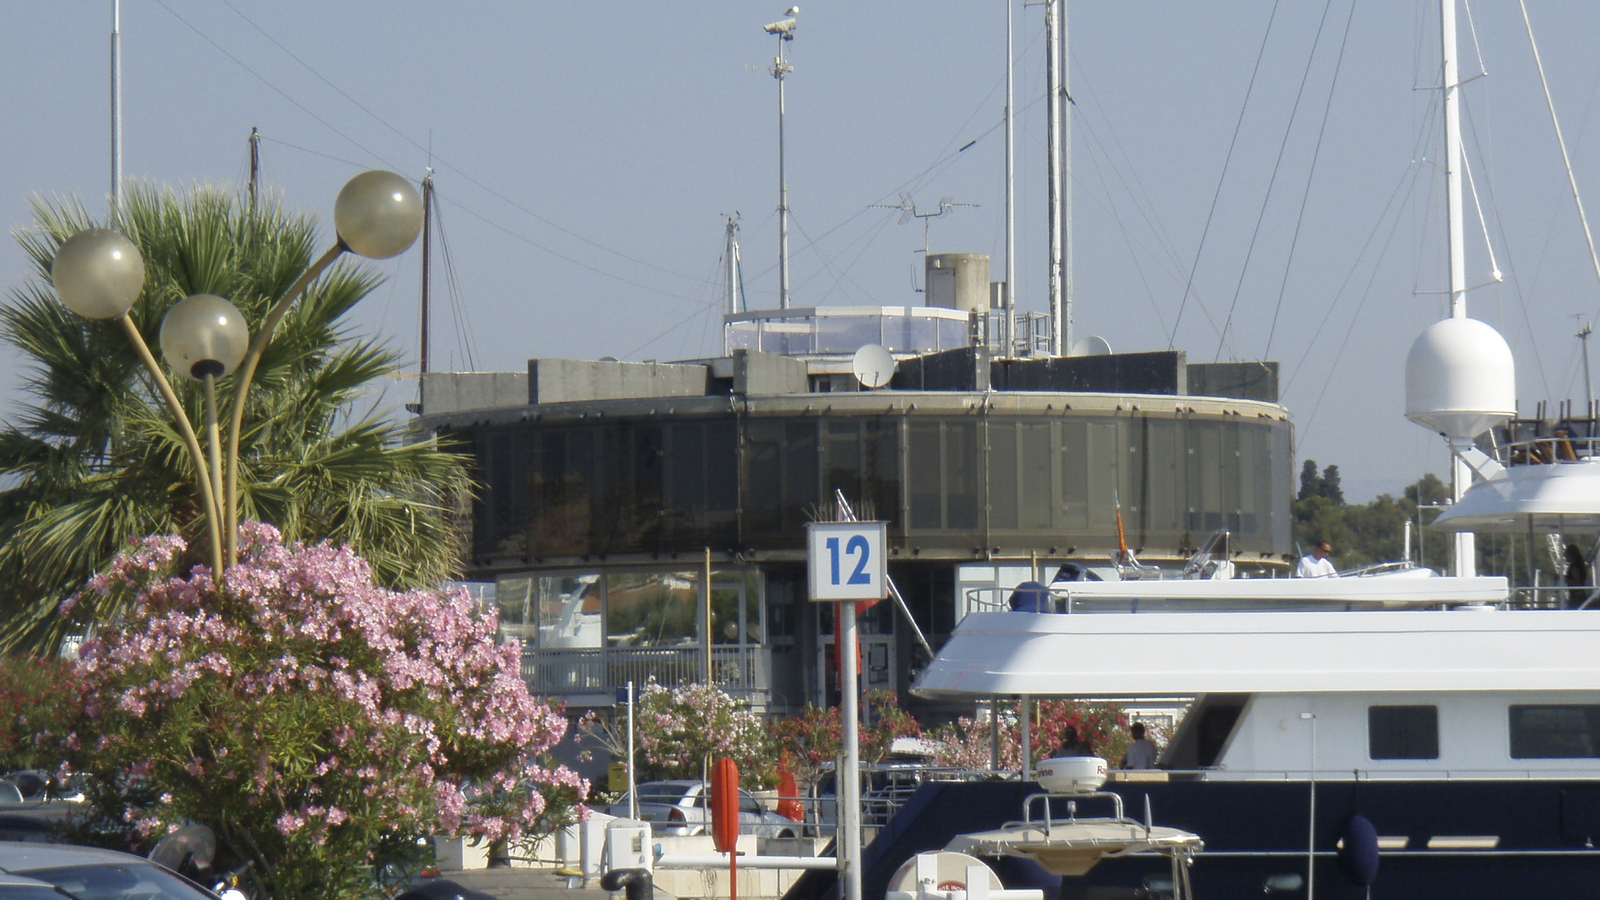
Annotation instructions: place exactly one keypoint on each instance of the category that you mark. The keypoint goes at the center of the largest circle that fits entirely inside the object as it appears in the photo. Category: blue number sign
(846, 560)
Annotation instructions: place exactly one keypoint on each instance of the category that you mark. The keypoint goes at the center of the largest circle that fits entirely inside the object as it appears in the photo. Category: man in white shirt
(1142, 752)
(1316, 563)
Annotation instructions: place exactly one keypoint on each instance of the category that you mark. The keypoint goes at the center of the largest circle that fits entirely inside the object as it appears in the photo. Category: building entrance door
(876, 664)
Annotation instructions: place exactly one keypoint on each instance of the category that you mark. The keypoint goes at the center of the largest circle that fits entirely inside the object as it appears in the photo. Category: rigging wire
(403, 136)
(1305, 194)
(1272, 180)
(1521, 292)
(1561, 141)
(466, 342)
(1216, 195)
(1409, 175)
(275, 89)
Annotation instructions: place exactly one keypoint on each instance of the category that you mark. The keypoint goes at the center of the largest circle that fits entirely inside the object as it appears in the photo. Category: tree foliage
(814, 739)
(1374, 532)
(968, 742)
(682, 731)
(93, 459)
(313, 720)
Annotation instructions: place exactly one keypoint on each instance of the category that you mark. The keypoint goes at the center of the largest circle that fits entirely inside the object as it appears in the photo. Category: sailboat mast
(731, 255)
(427, 266)
(1009, 305)
(1052, 40)
(116, 110)
(1454, 210)
(1465, 547)
(1064, 342)
(255, 167)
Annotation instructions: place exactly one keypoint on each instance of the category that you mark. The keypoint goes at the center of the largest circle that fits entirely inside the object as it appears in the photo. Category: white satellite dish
(873, 366)
(1093, 345)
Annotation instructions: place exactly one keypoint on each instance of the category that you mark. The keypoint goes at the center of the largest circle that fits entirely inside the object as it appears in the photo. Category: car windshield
(118, 881)
(29, 892)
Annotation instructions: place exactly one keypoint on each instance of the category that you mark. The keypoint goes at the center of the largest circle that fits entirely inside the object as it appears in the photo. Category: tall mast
(1052, 32)
(255, 166)
(427, 247)
(116, 110)
(1460, 475)
(780, 67)
(1008, 328)
(1064, 342)
(1452, 160)
(731, 255)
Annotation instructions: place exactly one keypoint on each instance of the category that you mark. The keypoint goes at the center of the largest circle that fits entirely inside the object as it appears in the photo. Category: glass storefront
(949, 482)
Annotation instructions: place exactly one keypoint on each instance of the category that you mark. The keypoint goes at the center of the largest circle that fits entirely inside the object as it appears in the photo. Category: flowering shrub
(815, 738)
(39, 702)
(966, 742)
(313, 720)
(681, 731)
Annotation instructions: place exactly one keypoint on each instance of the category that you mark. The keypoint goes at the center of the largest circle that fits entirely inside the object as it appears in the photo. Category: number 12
(857, 544)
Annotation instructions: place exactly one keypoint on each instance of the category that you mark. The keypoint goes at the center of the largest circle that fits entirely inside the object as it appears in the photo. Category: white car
(680, 808)
(87, 873)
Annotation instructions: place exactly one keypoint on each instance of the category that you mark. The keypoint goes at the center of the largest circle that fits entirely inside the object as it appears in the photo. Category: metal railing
(1556, 448)
(564, 672)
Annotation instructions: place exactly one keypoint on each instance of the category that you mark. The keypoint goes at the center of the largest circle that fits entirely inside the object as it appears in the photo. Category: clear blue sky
(586, 154)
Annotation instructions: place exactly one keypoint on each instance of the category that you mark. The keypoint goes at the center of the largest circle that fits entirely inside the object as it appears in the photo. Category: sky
(1251, 180)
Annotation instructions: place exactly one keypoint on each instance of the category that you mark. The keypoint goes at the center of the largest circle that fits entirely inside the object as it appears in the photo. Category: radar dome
(1071, 774)
(1460, 379)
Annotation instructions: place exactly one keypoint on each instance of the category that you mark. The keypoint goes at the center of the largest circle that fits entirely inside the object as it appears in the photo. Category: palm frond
(95, 460)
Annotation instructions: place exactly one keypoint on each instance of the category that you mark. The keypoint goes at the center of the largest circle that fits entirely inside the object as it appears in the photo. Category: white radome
(1460, 379)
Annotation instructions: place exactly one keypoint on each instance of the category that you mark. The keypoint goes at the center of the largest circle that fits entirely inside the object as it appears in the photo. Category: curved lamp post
(98, 274)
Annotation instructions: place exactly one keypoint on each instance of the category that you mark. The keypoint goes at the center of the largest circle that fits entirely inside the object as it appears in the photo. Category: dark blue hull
(1544, 832)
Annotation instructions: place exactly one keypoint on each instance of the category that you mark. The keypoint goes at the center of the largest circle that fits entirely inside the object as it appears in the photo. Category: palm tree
(94, 460)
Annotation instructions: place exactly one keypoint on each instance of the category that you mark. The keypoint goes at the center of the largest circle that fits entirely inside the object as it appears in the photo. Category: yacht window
(1555, 731)
(1403, 732)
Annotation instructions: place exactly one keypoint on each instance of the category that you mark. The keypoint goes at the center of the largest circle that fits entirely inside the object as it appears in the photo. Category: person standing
(1072, 745)
(1576, 577)
(1142, 753)
(1316, 563)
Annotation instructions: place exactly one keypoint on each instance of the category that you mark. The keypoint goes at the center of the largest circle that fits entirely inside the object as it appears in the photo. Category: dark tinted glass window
(1403, 732)
(1564, 731)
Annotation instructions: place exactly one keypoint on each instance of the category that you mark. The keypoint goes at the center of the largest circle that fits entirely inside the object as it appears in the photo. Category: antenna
(873, 366)
(1588, 382)
(908, 211)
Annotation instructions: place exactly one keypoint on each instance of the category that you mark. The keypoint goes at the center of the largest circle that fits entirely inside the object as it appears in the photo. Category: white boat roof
(1177, 654)
(1407, 587)
(1550, 497)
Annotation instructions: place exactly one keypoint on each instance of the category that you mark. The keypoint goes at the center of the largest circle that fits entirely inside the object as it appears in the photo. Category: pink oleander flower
(315, 712)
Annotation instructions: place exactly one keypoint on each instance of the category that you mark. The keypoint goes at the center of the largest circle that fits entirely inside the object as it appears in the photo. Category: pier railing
(739, 670)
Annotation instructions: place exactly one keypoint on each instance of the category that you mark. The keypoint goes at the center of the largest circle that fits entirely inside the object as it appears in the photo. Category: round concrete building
(647, 520)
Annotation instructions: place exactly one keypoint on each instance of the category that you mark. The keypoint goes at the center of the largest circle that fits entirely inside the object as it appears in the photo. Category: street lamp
(99, 273)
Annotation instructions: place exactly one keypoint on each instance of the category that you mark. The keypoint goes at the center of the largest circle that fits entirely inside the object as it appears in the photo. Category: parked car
(678, 808)
(88, 873)
(16, 887)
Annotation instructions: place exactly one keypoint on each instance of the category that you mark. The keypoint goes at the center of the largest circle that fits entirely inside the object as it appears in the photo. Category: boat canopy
(1119, 655)
(1554, 497)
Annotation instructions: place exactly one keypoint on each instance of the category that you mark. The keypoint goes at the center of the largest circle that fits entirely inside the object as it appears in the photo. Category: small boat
(1070, 845)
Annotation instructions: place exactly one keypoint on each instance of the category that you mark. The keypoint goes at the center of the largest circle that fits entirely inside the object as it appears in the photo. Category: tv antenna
(908, 211)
